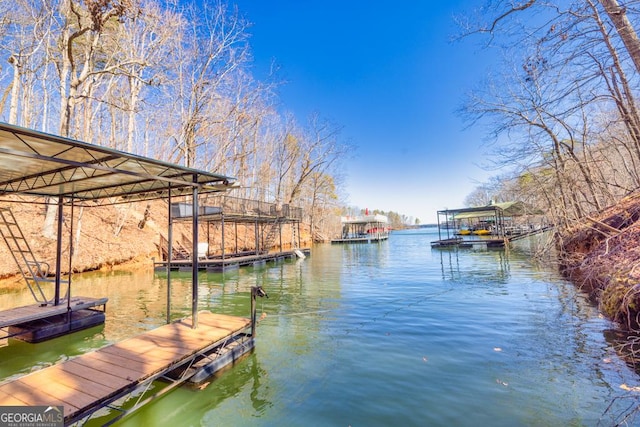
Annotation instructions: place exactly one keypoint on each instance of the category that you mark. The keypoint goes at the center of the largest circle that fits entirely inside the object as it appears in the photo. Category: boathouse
(35, 166)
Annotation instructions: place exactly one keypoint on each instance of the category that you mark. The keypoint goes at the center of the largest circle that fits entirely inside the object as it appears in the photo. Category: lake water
(388, 334)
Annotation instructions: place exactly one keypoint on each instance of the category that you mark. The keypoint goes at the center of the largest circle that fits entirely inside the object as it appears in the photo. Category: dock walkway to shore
(86, 383)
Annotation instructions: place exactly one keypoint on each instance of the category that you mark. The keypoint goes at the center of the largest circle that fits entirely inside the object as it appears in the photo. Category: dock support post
(169, 256)
(222, 239)
(194, 255)
(56, 298)
(257, 240)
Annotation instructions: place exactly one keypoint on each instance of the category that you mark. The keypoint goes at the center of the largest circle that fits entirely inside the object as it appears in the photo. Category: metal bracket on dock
(256, 291)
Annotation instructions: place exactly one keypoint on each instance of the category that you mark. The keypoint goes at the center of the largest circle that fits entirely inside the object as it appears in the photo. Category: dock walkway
(230, 262)
(489, 242)
(459, 242)
(84, 384)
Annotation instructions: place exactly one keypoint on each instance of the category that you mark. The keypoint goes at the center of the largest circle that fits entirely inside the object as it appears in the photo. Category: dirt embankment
(112, 235)
(602, 256)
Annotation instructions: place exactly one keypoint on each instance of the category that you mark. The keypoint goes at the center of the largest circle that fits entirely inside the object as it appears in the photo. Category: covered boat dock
(222, 211)
(35, 166)
(491, 226)
(363, 229)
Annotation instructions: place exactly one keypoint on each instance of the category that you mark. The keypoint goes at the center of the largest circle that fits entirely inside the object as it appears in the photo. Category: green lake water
(388, 334)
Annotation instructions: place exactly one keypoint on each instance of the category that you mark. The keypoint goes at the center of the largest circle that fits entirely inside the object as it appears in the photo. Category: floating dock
(175, 353)
(365, 239)
(459, 242)
(490, 226)
(230, 262)
(37, 322)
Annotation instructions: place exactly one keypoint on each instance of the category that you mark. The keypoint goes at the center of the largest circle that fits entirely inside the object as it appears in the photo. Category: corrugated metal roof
(364, 219)
(41, 164)
(506, 209)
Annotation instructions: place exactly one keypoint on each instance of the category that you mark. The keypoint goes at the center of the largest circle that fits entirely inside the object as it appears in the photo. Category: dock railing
(230, 205)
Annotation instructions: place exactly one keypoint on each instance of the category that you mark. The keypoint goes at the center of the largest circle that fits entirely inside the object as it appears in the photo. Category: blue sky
(390, 75)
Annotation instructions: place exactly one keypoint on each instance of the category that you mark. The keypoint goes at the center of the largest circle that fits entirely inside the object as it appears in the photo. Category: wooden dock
(85, 384)
(488, 242)
(459, 242)
(11, 319)
(367, 239)
(230, 262)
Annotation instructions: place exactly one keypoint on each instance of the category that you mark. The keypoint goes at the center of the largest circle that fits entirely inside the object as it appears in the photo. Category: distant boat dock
(363, 229)
(491, 226)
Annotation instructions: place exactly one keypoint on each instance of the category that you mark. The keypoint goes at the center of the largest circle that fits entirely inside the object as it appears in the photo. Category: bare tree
(144, 43)
(215, 46)
(80, 45)
(626, 31)
(24, 45)
(551, 100)
(320, 149)
(322, 203)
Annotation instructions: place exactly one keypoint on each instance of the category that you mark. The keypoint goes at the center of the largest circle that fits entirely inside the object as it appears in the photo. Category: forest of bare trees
(168, 80)
(562, 110)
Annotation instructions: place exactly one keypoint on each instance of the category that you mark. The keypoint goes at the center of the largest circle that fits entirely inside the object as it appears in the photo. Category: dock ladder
(33, 271)
(272, 234)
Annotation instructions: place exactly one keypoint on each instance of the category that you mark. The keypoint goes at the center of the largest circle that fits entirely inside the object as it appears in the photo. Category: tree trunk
(627, 33)
(15, 90)
(135, 86)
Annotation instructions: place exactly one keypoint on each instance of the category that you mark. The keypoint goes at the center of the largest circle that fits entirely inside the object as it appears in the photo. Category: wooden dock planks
(18, 315)
(91, 380)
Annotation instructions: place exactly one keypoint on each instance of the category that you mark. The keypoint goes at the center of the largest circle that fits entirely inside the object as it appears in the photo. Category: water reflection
(201, 405)
(485, 266)
(19, 357)
(365, 254)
